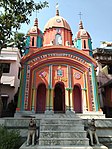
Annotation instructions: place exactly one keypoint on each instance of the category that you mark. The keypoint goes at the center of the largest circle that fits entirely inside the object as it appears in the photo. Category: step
(62, 121)
(62, 147)
(64, 115)
(63, 141)
(54, 147)
(63, 134)
(72, 147)
(68, 147)
(61, 127)
(99, 147)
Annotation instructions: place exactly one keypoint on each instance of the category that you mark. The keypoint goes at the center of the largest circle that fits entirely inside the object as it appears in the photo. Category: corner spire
(36, 22)
(80, 25)
(57, 10)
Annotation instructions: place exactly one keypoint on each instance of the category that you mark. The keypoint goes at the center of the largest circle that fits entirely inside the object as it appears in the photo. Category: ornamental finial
(80, 15)
(57, 10)
(36, 22)
(80, 25)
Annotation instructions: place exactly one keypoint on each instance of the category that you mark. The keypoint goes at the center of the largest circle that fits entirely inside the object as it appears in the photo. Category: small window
(19, 70)
(33, 41)
(5, 67)
(58, 39)
(84, 44)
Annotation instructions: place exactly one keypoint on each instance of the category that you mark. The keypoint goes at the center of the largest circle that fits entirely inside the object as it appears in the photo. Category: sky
(96, 17)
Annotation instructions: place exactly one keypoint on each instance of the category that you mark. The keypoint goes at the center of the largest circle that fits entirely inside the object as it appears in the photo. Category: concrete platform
(54, 147)
(62, 147)
(99, 147)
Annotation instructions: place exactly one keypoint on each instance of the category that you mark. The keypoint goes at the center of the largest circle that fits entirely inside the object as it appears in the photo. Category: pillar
(47, 99)
(84, 94)
(20, 91)
(71, 99)
(50, 90)
(33, 100)
(94, 88)
(67, 99)
(51, 99)
(84, 102)
(88, 91)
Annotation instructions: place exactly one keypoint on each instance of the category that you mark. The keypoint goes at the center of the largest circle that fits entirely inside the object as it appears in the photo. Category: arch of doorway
(41, 98)
(59, 98)
(77, 98)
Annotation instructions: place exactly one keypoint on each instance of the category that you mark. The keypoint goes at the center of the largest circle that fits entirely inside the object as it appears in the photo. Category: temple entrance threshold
(59, 98)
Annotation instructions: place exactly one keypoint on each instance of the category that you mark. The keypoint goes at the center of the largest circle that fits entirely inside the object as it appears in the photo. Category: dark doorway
(77, 99)
(59, 98)
(4, 101)
(41, 98)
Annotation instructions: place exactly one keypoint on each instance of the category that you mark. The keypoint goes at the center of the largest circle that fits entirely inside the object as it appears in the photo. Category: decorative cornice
(53, 51)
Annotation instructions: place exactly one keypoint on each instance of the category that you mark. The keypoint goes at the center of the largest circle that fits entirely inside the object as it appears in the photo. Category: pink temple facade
(58, 73)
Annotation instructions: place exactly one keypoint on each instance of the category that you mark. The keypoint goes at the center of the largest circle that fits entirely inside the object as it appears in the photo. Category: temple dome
(57, 32)
(34, 37)
(57, 21)
(82, 32)
(83, 40)
(34, 29)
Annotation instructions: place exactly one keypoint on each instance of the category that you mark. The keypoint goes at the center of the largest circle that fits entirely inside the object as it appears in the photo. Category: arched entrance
(59, 98)
(41, 98)
(77, 99)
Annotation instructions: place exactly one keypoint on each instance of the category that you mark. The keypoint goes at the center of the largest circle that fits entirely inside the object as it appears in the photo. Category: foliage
(9, 139)
(13, 13)
(18, 40)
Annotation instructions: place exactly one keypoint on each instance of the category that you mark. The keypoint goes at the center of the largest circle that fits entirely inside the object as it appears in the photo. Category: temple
(58, 73)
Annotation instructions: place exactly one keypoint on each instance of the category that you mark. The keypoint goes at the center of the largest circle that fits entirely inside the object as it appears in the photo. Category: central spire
(80, 25)
(57, 10)
(36, 22)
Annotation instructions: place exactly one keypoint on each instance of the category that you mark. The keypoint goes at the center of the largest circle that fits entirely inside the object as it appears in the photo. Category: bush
(9, 139)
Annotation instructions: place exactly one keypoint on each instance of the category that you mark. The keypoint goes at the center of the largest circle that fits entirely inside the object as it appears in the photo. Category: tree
(13, 13)
(18, 40)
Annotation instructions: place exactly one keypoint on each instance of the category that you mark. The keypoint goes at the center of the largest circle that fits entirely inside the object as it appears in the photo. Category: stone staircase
(62, 132)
